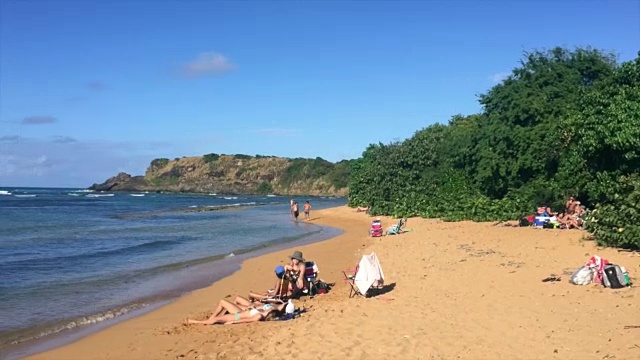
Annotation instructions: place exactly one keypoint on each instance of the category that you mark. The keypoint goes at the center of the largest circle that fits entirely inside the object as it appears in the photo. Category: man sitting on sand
(227, 313)
(281, 290)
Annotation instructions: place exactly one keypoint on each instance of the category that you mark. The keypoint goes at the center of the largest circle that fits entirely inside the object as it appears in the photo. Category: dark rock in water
(122, 182)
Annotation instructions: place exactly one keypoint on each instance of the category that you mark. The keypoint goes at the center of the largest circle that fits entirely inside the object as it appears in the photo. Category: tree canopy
(563, 123)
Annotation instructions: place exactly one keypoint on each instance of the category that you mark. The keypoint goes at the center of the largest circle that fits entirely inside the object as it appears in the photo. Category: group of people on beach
(295, 209)
(290, 284)
(572, 217)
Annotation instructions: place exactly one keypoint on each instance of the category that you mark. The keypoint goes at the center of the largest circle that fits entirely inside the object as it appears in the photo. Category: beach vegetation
(264, 188)
(565, 122)
(159, 163)
(210, 158)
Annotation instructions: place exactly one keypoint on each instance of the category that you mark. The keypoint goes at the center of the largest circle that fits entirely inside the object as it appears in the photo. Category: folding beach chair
(376, 228)
(310, 278)
(397, 229)
(366, 276)
(349, 277)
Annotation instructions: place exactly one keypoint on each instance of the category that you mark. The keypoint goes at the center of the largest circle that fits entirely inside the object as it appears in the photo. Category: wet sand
(455, 290)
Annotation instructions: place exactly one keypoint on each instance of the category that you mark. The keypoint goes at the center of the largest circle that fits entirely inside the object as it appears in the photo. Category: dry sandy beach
(462, 290)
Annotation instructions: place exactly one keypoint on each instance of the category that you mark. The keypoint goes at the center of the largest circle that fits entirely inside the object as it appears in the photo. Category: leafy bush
(159, 163)
(242, 157)
(209, 158)
(264, 188)
(565, 123)
(617, 223)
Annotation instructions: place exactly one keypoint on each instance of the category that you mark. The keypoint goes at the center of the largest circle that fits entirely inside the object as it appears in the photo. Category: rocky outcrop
(236, 174)
(122, 182)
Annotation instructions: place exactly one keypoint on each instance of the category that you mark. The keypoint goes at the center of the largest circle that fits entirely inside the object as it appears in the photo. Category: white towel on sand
(369, 272)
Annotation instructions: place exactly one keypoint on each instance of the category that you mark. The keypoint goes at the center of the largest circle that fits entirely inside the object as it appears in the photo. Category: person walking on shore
(307, 209)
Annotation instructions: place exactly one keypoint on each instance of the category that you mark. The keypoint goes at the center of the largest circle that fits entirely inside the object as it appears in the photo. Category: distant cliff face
(237, 174)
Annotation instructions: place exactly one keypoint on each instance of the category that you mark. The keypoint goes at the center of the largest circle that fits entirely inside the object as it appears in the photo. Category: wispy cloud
(95, 86)
(498, 77)
(75, 99)
(208, 63)
(63, 140)
(279, 132)
(10, 138)
(38, 120)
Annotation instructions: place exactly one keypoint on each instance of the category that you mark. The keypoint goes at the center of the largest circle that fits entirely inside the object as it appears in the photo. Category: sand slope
(460, 290)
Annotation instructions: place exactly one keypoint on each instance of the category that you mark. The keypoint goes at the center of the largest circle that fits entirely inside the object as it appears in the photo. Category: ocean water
(71, 258)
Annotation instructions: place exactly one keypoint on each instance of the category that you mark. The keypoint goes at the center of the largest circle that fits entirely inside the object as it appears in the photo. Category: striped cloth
(597, 263)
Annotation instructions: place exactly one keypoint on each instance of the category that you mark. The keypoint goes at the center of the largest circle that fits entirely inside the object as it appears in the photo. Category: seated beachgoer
(570, 205)
(281, 290)
(542, 211)
(296, 269)
(236, 315)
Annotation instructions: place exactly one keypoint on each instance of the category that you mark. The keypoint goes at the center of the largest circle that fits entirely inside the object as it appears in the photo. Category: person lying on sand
(236, 315)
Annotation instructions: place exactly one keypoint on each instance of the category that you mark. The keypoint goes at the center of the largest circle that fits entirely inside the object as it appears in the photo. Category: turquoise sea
(71, 259)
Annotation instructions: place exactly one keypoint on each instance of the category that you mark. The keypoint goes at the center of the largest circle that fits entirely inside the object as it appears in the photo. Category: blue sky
(88, 89)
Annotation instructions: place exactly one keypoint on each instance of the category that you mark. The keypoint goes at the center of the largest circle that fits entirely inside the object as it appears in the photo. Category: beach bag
(613, 277)
(321, 287)
(582, 276)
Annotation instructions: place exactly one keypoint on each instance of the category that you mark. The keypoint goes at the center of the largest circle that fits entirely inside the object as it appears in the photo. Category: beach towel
(369, 272)
(597, 264)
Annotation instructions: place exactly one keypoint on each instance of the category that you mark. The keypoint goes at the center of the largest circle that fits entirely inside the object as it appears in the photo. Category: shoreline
(458, 290)
(223, 265)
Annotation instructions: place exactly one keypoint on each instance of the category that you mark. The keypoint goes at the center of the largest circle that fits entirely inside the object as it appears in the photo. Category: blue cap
(279, 271)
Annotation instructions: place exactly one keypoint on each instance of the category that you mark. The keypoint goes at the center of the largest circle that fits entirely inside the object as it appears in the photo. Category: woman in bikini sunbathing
(237, 314)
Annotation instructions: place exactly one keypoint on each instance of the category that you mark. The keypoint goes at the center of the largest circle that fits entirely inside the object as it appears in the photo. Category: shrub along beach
(563, 123)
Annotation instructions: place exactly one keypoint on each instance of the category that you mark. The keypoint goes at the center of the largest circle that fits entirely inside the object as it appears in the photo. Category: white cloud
(279, 132)
(499, 77)
(209, 63)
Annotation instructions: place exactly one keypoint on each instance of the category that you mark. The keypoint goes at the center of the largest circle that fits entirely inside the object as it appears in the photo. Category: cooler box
(539, 221)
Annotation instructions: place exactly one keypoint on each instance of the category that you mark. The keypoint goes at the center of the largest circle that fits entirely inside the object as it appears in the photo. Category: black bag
(613, 277)
(322, 287)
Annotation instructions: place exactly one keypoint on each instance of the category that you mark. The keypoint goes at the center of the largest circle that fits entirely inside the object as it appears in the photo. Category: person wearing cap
(296, 268)
(281, 290)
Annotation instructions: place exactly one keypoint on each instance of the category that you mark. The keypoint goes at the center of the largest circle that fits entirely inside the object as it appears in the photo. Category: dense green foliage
(159, 163)
(242, 156)
(264, 188)
(563, 123)
(305, 169)
(209, 158)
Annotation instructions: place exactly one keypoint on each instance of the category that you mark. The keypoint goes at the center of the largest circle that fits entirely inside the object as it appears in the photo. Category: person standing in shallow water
(291, 207)
(307, 209)
(296, 211)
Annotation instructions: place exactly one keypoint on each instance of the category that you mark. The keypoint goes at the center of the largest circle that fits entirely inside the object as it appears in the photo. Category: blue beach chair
(398, 228)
